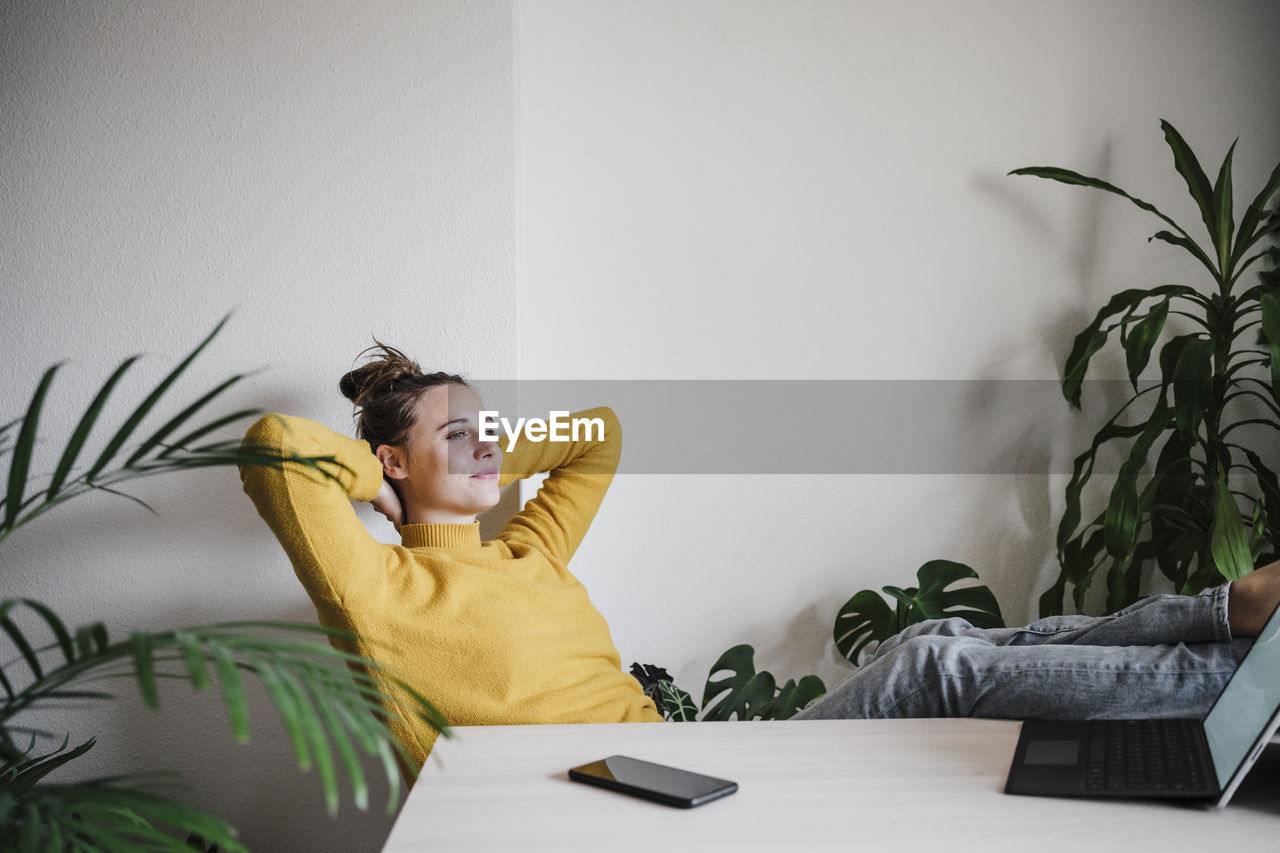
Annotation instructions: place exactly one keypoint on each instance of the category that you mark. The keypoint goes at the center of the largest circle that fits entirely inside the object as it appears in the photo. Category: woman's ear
(393, 461)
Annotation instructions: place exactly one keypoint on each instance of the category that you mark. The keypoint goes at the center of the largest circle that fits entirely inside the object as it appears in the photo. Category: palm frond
(20, 461)
(23, 500)
(144, 408)
(337, 707)
(104, 814)
(84, 428)
(334, 704)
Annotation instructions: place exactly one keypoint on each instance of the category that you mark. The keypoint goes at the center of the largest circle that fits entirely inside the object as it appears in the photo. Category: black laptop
(1183, 759)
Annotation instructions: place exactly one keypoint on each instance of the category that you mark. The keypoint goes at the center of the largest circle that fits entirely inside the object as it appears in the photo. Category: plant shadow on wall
(1206, 510)
(328, 699)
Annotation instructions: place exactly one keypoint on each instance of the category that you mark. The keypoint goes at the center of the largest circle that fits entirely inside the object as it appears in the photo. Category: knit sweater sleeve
(311, 514)
(556, 519)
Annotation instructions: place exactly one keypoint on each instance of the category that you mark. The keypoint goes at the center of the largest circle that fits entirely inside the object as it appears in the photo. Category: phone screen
(653, 781)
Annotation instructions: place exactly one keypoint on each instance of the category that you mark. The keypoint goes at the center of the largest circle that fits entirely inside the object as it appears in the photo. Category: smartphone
(656, 782)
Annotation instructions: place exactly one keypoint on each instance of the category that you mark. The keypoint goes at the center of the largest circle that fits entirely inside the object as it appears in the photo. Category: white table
(849, 785)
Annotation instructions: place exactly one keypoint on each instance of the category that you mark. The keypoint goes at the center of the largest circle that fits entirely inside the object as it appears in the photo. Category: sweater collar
(461, 536)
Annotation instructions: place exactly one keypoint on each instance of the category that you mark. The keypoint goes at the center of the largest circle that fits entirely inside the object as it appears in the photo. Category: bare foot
(1252, 600)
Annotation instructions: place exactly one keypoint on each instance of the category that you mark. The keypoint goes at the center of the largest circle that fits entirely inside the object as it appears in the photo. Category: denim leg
(1166, 656)
(1153, 621)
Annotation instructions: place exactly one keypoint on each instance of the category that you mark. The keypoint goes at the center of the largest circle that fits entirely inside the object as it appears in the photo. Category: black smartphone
(656, 782)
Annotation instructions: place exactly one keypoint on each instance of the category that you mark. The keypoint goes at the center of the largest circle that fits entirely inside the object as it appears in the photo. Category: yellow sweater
(496, 632)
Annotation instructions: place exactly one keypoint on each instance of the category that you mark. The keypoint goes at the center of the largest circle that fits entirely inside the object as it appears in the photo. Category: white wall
(706, 190)
(330, 171)
(742, 189)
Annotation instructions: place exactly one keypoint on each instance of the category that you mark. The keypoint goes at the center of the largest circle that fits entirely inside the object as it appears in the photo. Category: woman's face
(450, 475)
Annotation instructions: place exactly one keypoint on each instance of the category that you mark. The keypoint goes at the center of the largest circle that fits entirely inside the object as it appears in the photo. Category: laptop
(1164, 759)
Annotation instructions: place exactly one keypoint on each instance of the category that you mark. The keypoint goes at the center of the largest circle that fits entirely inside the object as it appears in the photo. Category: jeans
(1165, 656)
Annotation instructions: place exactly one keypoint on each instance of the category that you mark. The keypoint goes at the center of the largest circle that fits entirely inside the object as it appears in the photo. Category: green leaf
(1066, 176)
(1085, 346)
(350, 760)
(1270, 486)
(1254, 216)
(193, 655)
(178, 420)
(232, 691)
(1093, 337)
(31, 771)
(286, 703)
(103, 815)
(1223, 219)
(1076, 558)
(746, 692)
(306, 719)
(122, 435)
(1228, 540)
(1270, 303)
(1197, 181)
(20, 462)
(1173, 502)
(20, 641)
(1082, 471)
(864, 619)
(144, 668)
(933, 600)
(793, 696)
(91, 639)
(195, 435)
(1120, 524)
(674, 704)
(1053, 600)
(1142, 340)
(51, 620)
(83, 428)
(1192, 390)
(1184, 242)
(1258, 538)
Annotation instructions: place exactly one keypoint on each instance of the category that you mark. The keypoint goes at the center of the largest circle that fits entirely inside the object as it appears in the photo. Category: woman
(500, 632)
(496, 632)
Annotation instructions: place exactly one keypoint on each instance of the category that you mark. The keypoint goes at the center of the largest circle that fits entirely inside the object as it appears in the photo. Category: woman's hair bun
(386, 367)
(385, 391)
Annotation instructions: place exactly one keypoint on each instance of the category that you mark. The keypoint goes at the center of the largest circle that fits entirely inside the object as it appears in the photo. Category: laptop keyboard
(1143, 756)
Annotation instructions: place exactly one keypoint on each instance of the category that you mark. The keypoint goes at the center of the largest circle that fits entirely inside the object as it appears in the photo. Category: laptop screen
(1247, 704)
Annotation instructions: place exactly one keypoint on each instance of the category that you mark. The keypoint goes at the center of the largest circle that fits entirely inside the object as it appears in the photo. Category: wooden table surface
(848, 785)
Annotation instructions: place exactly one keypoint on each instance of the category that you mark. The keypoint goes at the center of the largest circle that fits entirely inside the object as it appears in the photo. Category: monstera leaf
(867, 618)
(794, 695)
(751, 695)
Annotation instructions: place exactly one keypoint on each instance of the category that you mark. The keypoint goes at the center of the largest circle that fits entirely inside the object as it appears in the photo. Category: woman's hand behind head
(388, 504)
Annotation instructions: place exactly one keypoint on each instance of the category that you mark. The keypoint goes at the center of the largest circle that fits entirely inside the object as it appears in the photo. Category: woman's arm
(556, 519)
(311, 514)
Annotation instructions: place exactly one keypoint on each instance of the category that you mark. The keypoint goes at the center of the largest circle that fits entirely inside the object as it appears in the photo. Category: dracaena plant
(1194, 497)
(329, 701)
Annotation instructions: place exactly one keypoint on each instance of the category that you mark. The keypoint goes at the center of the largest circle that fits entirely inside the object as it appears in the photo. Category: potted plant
(1192, 498)
(329, 700)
